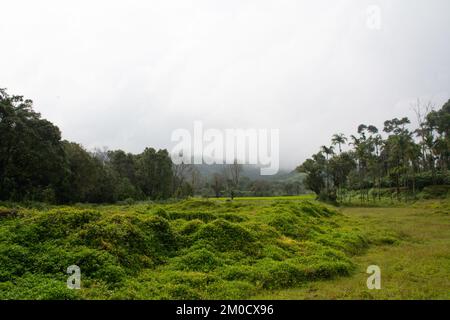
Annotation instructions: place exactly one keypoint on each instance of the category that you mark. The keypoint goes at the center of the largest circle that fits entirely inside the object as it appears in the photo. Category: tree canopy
(403, 160)
(36, 164)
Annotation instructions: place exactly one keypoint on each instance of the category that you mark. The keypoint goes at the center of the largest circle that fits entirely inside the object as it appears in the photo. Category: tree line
(231, 181)
(37, 165)
(397, 162)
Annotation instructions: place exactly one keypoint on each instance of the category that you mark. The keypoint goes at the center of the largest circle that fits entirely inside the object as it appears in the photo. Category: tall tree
(31, 152)
(233, 174)
(217, 183)
(339, 140)
(155, 173)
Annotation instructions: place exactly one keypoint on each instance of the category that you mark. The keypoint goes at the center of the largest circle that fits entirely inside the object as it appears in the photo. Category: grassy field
(299, 197)
(269, 248)
(416, 265)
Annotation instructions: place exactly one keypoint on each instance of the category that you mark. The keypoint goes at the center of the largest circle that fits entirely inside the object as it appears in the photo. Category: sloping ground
(194, 249)
(416, 267)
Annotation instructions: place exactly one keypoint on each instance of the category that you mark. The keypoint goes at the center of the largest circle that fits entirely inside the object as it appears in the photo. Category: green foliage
(37, 166)
(201, 260)
(36, 287)
(396, 161)
(224, 235)
(31, 154)
(433, 192)
(191, 249)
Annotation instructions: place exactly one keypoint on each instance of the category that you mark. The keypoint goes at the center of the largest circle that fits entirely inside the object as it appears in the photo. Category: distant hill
(252, 172)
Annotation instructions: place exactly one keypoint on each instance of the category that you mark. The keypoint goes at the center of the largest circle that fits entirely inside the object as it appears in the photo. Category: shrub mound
(194, 249)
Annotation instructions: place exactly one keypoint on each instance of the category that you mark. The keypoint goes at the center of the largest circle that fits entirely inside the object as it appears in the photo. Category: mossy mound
(194, 249)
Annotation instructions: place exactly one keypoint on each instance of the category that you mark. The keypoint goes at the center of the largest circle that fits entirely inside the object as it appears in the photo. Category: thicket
(194, 249)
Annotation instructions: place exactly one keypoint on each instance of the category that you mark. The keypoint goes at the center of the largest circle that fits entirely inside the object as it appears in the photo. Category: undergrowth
(193, 249)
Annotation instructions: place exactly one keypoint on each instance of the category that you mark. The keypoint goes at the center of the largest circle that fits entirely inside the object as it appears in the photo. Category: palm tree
(328, 151)
(339, 139)
(360, 146)
(378, 144)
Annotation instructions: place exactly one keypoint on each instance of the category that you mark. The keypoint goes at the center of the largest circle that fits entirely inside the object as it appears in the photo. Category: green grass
(299, 197)
(414, 262)
(283, 247)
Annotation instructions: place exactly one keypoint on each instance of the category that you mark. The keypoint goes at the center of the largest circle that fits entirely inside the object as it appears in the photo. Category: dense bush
(192, 249)
(435, 192)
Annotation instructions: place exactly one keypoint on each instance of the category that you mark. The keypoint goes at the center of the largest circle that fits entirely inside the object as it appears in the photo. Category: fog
(126, 74)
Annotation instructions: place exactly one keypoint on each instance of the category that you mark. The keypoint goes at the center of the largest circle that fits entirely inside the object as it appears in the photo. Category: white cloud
(126, 73)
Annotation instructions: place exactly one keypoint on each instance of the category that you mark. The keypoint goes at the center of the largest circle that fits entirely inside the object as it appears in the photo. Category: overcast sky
(125, 74)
